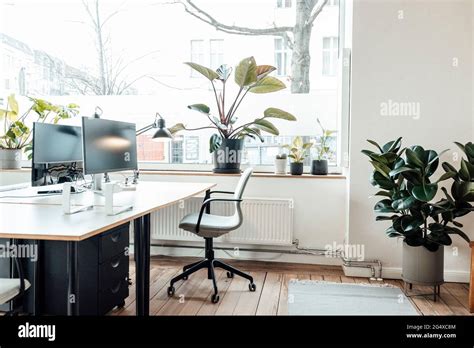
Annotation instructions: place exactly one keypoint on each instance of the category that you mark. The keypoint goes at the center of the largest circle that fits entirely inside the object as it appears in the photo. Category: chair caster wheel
(230, 275)
(171, 291)
(252, 287)
(185, 278)
(215, 298)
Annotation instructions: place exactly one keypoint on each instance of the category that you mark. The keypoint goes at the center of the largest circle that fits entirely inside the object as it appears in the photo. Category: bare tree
(112, 76)
(297, 37)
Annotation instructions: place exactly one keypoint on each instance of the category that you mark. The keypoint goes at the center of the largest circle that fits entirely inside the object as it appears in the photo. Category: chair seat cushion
(9, 288)
(212, 226)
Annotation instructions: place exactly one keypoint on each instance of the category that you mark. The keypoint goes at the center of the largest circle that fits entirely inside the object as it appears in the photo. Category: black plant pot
(319, 167)
(228, 156)
(296, 168)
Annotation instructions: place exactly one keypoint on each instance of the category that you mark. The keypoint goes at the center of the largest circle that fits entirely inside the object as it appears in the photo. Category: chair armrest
(206, 203)
(224, 192)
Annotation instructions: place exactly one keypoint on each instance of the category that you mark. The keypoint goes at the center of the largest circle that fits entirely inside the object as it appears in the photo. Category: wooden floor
(192, 296)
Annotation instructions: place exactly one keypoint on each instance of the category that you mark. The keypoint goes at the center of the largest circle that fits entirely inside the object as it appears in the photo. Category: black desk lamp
(161, 134)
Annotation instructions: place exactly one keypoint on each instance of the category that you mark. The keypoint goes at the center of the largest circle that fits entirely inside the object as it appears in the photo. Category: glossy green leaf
(246, 72)
(278, 113)
(425, 193)
(384, 206)
(214, 142)
(403, 203)
(201, 108)
(375, 144)
(266, 126)
(210, 74)
(268, 84)
(413, 159)
(402, 170)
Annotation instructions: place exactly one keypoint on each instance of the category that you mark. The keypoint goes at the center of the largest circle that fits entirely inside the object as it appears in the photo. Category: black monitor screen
(109, 146)
(54, 143)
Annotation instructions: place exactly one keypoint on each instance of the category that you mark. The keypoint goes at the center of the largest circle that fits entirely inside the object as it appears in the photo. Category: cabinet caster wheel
(230, 275)
(121, 304)
(185, 278)
(215, 298)
(171, 291)
(252, 287)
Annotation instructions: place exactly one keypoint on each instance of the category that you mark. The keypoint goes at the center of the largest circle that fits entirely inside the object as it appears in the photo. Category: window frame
(285, 53)
(333, 52)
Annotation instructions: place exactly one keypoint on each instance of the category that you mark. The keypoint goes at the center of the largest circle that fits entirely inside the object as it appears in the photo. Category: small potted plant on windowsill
(298, 152)
(280, 163)
(319, 166)
(17, 132)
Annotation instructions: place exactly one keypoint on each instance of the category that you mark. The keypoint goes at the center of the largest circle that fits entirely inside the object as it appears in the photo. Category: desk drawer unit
(103, 271)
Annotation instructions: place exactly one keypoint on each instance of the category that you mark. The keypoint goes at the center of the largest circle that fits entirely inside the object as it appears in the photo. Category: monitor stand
(97, 181)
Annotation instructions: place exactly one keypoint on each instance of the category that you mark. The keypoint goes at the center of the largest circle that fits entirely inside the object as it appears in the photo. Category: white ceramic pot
(280, 166)
(10, 159)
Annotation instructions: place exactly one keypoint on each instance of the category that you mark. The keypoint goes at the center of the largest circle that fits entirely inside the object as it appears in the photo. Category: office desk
(42, 219)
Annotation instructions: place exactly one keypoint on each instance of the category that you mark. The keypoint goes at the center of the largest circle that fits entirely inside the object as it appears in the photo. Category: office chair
(210, 226)
(12, 289)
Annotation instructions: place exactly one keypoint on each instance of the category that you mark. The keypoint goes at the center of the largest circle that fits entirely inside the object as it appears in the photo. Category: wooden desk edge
(98, 231)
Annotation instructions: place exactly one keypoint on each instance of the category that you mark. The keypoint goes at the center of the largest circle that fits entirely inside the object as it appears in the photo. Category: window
(282, 57)
(330, 50)
(216, 53)
(333, 3)
(284, 3)
(144, 74)
(197, 55)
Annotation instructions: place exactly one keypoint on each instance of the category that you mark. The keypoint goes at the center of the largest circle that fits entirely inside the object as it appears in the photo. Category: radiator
(266, 221)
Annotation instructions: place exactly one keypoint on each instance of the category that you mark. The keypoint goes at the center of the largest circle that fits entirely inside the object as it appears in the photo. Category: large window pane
(131, 65)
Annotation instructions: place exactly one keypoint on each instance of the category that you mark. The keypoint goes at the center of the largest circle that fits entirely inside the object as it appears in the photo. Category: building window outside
(192, 148)
(282, 57)
(197, 55)
(216, 53)
(333, 3)
(177, 151)
(330, 50)
(284, 3)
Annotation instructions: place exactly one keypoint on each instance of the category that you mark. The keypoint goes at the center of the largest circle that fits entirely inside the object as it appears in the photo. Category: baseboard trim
(449, 275)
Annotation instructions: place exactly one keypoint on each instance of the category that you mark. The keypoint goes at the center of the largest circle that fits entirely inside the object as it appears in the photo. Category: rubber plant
(249, 77)
(17, 126)
(405, 179)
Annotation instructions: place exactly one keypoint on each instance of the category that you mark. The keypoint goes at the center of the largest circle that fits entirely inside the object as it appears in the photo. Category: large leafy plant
(17, 126)
(405, 179)
(298, 150)
(249, 77)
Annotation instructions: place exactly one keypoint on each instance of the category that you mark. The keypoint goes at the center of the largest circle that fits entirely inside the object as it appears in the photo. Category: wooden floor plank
(195, 299)
(270, 296)
(283, 300)
(459, 292)
(248, 300)
(345, 279)
(209, 308)
(231, 296)
(332, 278)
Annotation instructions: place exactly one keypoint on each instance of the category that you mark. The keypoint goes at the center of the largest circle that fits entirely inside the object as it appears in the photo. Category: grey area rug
(309, 297)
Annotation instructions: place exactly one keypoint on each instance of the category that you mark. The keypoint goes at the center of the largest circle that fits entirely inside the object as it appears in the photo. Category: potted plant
(405, 180)
(298, 152)
(17, 133)
(227, 143)
(319, 166)
(280, 163)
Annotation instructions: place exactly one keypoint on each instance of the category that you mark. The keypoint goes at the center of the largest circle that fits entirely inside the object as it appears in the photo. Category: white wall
(408, 59)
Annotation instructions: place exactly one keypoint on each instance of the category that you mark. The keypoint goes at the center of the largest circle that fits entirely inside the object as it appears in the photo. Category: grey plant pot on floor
(421, 266)
(10, 159)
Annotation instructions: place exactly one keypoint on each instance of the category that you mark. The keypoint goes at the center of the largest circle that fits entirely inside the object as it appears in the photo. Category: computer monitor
(108, 146)
(57, 154)
(53, 143)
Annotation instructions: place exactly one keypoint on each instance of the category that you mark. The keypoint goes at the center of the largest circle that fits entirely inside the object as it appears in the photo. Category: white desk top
(42, 217)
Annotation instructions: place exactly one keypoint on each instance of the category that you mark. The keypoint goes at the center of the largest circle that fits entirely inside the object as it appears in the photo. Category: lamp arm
(146, 128)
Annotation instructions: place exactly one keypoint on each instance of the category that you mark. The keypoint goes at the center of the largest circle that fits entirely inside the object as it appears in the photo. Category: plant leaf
(201, 108)
(176, 128)
(375, 144)
(214, 142)
(224, 72)
(246, 72)
(264, 70)
(278, 113)
(268, 84)
(266, 126)
(412, 158)
(425, 193)
(210, 74)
